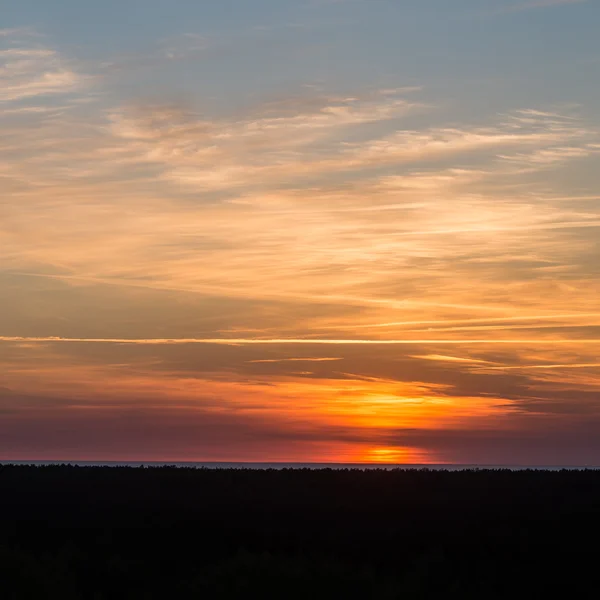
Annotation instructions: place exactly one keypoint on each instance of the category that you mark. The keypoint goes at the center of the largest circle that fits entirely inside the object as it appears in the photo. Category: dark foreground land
(103, 533)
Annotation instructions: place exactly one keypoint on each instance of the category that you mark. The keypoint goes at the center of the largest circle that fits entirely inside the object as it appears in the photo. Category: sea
(296, 465)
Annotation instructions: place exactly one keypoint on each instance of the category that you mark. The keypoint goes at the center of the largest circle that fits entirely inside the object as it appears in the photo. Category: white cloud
(27, 72)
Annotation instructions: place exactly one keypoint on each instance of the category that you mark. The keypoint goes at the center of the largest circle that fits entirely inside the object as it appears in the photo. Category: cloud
(559, 366)
(369, 219)
(543, 444)
(28, 72)
(287, 411)
(267, 151)
(18, 32)
(452, 359)
(283, 360)
(294, 341)
(335, 419)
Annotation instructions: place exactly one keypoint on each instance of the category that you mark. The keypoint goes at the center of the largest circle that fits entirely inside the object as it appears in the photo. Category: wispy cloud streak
(294, 341)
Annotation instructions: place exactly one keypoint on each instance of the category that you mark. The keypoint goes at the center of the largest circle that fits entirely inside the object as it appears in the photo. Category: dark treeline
(144, 533)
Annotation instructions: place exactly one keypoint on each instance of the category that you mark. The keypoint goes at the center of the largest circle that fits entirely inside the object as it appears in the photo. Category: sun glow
(406, 456)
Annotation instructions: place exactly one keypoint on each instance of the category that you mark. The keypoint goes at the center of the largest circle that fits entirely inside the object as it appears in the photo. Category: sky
(300, 230)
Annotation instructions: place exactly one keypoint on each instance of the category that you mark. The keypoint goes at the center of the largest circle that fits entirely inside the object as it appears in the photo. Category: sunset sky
(300, 230)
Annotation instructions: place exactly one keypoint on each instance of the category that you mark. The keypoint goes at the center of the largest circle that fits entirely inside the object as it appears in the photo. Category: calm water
(275, 465)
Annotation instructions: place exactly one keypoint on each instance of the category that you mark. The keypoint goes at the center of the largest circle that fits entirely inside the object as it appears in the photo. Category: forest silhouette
(74, 532)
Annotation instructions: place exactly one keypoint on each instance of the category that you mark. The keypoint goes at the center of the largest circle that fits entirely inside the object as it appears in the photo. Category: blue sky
(300, 230)
(478, 53)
